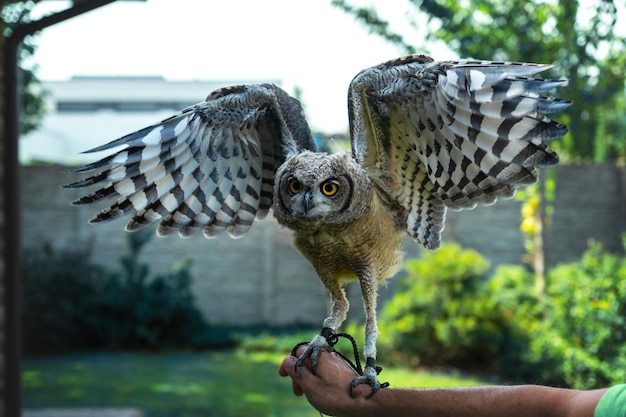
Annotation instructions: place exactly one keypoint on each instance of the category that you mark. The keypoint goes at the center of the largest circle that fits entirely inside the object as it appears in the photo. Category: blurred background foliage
(450, 311)
(495, 323)
(33, 95)
(71, 304)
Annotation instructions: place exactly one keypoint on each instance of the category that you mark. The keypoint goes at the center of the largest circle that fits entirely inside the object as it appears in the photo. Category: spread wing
(457, 134)
(210, 167)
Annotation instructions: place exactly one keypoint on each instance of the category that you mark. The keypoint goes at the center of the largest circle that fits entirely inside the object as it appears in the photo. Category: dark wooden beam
(10, 204)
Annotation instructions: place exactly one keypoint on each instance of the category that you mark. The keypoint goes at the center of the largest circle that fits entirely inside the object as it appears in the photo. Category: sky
(306, 44)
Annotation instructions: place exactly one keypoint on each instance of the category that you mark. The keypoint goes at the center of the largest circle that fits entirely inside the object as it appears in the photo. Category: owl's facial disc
(317, 199)
(315, 187)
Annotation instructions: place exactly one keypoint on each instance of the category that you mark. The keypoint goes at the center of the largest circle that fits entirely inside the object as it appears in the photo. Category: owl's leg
(339, 309)
(369, 291)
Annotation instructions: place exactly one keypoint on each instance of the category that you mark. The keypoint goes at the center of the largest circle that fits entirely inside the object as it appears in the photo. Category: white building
(85, 112)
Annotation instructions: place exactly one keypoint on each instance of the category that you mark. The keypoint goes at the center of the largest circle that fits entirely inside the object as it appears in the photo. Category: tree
(32, 94)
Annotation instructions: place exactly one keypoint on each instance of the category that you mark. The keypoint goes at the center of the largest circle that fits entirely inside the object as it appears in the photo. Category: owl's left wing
(436, 135)
(210, 167)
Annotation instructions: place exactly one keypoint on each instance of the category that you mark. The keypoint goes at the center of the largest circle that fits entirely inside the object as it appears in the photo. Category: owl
(425, 136)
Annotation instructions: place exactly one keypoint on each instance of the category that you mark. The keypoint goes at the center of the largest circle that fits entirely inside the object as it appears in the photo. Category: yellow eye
(329, 188)
(295, 186)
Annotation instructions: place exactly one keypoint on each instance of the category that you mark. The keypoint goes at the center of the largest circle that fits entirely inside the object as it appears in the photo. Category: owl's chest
(370, 244)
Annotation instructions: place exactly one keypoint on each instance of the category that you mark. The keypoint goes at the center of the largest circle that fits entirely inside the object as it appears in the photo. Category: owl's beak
(308, 201)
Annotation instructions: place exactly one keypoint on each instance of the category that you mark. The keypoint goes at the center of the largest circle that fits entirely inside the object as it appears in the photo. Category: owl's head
(318, 187)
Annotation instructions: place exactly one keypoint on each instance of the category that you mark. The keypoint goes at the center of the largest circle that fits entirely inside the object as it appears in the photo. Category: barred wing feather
(437, 135)
(211, 167)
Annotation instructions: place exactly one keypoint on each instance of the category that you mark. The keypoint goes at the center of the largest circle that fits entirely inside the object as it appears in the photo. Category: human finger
(288, 368)
(289, 361)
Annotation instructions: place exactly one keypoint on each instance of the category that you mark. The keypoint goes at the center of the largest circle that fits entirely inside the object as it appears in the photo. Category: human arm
(327, 391)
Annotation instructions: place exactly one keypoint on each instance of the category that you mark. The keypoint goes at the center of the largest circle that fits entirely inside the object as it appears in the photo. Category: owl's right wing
(453, 134)
(210, 167)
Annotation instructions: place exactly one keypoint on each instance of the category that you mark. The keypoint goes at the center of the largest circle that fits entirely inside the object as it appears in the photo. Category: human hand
(328, 391)
(328, 388)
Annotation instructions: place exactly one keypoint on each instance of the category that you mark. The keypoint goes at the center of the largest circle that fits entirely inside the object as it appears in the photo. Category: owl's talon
(313, 352)
(370, 378)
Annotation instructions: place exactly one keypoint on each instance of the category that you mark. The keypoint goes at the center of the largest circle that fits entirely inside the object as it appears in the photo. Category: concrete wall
(262, 279)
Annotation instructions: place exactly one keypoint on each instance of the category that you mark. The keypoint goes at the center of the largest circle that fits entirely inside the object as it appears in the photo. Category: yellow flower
(528, 225)
(527, 210)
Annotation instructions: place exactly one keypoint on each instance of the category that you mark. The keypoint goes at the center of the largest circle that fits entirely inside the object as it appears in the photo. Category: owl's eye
(295, 186)
(329, 188)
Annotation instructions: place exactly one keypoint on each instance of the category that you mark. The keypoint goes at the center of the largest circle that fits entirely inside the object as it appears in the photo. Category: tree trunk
(2, 230)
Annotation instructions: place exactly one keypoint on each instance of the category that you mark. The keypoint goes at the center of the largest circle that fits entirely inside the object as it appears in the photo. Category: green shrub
(511, 293)
(138, 311)
(446, 312)
(440, 314)
(59, 289)
(584, 328)
(71, 304)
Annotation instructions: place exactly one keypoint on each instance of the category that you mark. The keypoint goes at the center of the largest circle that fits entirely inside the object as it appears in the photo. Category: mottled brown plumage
(425, 136)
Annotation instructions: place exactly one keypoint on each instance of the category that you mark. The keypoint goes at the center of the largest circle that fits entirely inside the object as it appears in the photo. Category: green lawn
(182, 384)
